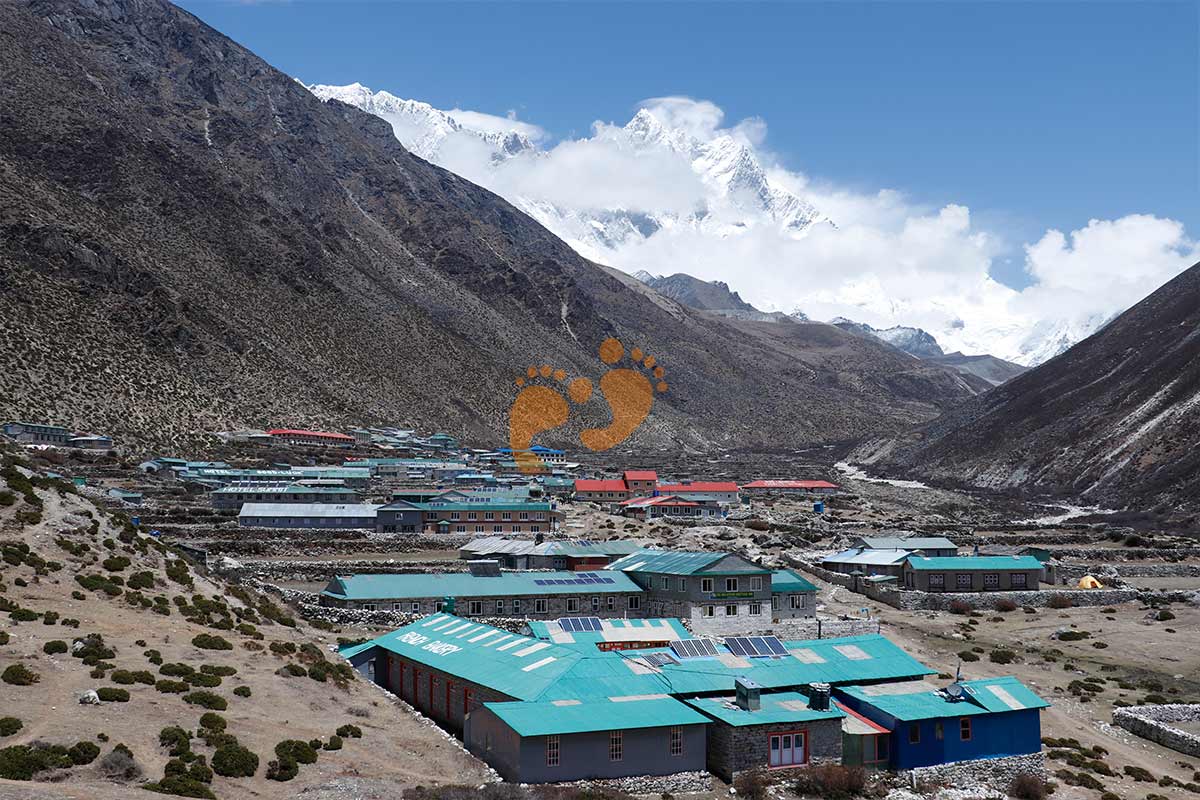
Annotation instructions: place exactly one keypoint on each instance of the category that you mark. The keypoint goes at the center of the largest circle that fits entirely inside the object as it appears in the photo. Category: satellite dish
(955, 690)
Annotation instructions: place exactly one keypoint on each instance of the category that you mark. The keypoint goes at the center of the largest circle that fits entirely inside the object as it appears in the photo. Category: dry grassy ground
(396, 750)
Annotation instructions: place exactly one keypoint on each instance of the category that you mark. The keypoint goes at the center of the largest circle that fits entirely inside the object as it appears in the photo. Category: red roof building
(601, 490)
(790, 487)
(292, 436)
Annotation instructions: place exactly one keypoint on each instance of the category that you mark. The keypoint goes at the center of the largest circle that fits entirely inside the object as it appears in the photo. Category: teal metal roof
(548, 719)
(504, 504)
(351, 651)
(679, 562)
(785, 580)
(464, 584)
(999, 563)
(611, 630)
(986, 696)
(776, 707)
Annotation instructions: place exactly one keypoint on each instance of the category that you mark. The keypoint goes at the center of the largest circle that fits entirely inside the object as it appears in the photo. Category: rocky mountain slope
(706, 296)
(913, 341)
(1115, 419)
(993, 370)
(192, 241)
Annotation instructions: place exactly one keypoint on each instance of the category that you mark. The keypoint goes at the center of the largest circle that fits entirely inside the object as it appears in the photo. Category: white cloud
(635, 199)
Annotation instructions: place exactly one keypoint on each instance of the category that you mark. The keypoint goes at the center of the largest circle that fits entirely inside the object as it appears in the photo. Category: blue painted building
(988, 718)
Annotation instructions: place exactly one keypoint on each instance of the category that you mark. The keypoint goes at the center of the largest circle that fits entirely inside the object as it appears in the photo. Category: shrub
(208, 641)
(334, 743)
(54, 646)
(171, 687)
(1028, 787)
(120, 764)
(967, 655)
(283, 648)
(282, 770)
(212, 721)
(115, 563)
(180, 786)
(960, 607)
(154, 657)
(1005, 605)
(832, 781)
(1164, 615)
(22, 762)
(1060, 601)
(752, 784)
(234, 761)
(1073, 636)
(200, 679)
(1139, 774)
(215, 669)
(83, 753)
(176, 670)
(176, 740)
(350, 732)
(206, 699)
(242, 691)
(19, 675)
(1000, 656)
(10, 725)
(296, 750)
(111, 694)
(141, 580)
(4, 637)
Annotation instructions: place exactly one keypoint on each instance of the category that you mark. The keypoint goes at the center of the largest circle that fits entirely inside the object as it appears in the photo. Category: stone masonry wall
(1154, 723)
(732, 750)
(994, 772)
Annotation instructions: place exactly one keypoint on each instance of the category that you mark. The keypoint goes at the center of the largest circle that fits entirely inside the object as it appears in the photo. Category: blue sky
(1035, 115)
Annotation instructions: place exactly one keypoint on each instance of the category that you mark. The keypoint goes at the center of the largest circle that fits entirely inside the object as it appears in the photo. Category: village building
(568, 554)
(125, 496)
(302, 437)
(572, 703)
(765, 488)
(968, 720)
(491, 517)
(611, 490)
(36, 433)
(630, 633)
(307, 515)
(488, 592)
(972, 573)
(91, 442)
(648, 509)
(237, 494)
(223, 475)
(888, 563)
(546, 455)
(932, 546)
(722, 492)
(792, 596)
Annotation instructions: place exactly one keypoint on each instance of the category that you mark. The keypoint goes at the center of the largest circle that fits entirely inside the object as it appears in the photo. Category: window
(489, 515)
(962, 581)
(1017, 580)
(731, 584)
(479, 529)
(455, 515)
(516, 606)
(881, 748)
(731, 611)
(676, 741)
(475, 607)
(471, 516)
(500, 608)
(572, 604)
(535, 528)
(611, 603)
(616, 745)
(938, 732)
(682, 584)
(595, 604)
(937, 582)
(635, 603)
(787, 749)
(991, 581)
(964, 728)
(370, 607)
(497, 529)
(774, 602)
(506, 516)
(798, 600)
(397, 606)
(707, 611)
(551, 751)
(539, 605)
(756, 583)
(460, 528)
(755, 609)
(914, 733)
(664, 582)
(416, 608)
(706, 585)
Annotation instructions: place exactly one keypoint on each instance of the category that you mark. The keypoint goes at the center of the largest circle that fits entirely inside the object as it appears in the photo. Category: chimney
(484, 568)
(748, 693)
(818, 696)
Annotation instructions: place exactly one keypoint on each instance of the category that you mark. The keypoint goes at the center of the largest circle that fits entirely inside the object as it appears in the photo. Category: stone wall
(799, 628)
(655, 785)
(1154, 723)
(735, 749)
(993, 772)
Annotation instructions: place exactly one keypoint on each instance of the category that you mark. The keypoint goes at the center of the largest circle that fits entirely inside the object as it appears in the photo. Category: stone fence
(1154, 723)
(324, 570)
(801, 628)
(909, 600)
(995, 773)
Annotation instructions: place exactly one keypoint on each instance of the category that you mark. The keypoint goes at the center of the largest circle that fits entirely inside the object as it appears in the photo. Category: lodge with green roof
(972, 573)
(581, 698)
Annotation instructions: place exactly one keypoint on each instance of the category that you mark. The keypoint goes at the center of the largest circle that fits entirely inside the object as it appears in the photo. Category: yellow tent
(1088, 582)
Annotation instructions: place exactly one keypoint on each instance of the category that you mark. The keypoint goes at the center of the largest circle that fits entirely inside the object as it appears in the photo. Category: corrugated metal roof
(787, 484)
(698, 487)
(908, 543)
(974, 562)
(640, 475)
(786, 580)
(986, 696)
(282, 488)
(611, 630)
(463, 584)
(775, 708)
(857, 555)
(588, 485)
(363, 510)
(668, 562)
(548, 719)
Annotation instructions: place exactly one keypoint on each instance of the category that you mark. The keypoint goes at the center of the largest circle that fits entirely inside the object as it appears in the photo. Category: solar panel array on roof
(694, 648)
(756, 646)
(571, 624)
(658, 659)
(583, 578)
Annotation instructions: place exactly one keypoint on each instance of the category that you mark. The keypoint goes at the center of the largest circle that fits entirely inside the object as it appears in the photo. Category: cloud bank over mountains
(681, 189)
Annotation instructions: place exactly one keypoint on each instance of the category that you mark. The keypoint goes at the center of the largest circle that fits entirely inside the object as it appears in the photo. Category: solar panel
(755, 646)
(760, 647)
(607, 580)
(658, 659)
(704, 647)
(693, 648)
(738, 645)
(775, 646)
(573, 624)
(540, 583)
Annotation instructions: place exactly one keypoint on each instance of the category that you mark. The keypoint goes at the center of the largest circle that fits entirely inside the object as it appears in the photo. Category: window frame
(1020, 579)
(675, 745)
(914, 733)
(733, 606)
(731, 585)
(616, 746)
(553, 751)
(965, 731)
(706, 585)
(756, 583)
